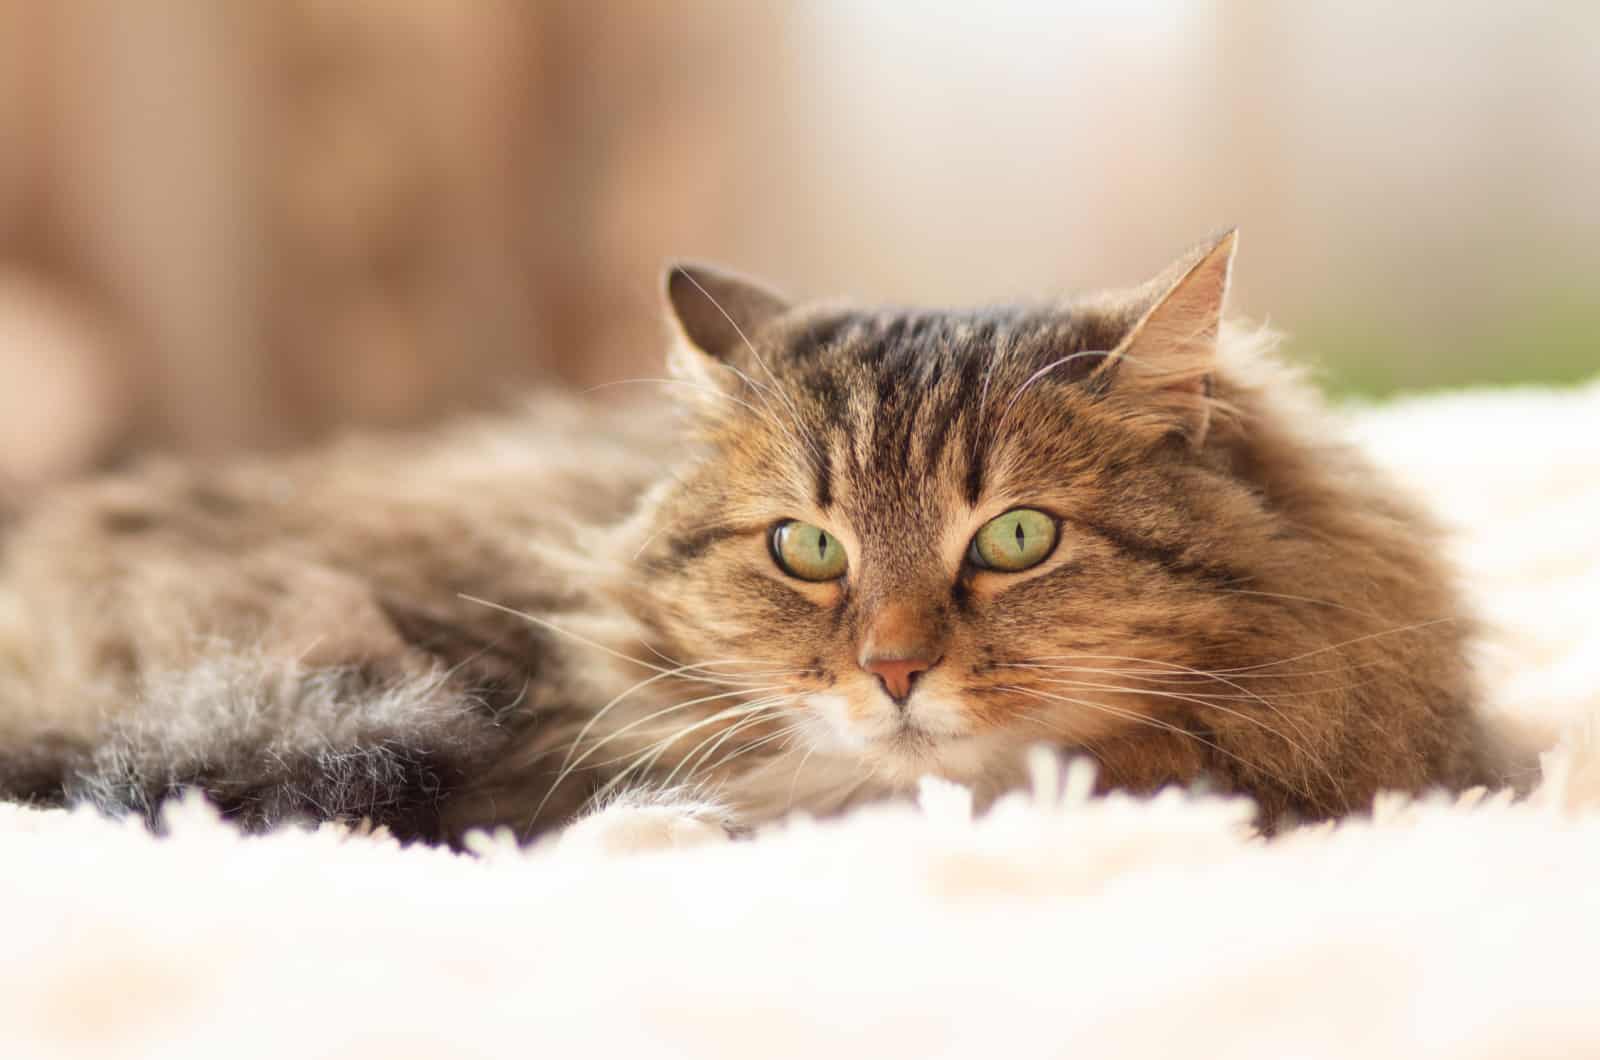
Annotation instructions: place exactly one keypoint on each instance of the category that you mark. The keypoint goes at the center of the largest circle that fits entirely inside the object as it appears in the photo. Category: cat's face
(905, 527)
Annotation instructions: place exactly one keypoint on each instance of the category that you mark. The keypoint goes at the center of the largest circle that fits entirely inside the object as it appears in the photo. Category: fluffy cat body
(520, 619)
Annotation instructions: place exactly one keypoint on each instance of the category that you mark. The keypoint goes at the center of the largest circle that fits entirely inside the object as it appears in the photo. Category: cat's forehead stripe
(905, 396)
(824, 472)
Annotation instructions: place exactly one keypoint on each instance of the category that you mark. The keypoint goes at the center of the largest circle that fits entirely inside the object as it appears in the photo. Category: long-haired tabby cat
(877, 544)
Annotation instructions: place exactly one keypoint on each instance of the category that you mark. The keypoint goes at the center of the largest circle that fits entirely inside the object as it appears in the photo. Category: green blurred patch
(1554, 338)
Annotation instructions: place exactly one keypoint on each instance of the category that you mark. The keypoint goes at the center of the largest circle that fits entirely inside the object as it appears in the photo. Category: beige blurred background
(250, 224)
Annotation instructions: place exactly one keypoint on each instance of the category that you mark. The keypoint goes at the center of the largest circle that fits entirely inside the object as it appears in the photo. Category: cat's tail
(269, 744)
(36, 771)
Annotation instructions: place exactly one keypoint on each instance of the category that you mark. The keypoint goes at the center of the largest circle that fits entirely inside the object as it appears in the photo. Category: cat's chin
(900, 750)
(904, 749)
(911, 754)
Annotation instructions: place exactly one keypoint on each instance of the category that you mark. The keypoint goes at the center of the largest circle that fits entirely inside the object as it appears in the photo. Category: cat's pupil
(1021, 537)
(822, 546)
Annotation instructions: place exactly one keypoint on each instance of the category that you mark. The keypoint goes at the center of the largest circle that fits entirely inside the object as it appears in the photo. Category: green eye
(807, 551)
(1014, 541)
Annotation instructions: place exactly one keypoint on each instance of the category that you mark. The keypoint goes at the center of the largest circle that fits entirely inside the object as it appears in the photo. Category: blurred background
(250, 224)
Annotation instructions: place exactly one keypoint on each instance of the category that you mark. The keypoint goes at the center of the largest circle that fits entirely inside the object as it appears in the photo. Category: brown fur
(1234, 595)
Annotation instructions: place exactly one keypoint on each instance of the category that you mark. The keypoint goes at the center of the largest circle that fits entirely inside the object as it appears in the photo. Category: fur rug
(1055, 924)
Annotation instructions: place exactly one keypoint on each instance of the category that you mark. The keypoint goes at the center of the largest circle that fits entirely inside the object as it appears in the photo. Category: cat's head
(930, 539)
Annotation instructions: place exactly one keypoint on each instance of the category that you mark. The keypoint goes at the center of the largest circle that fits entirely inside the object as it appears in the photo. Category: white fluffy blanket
(1054, 925)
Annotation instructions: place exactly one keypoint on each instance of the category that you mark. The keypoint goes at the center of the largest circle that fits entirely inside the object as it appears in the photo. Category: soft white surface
(1056, 925)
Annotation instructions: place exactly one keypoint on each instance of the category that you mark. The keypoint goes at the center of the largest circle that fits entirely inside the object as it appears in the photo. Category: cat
(850, 549)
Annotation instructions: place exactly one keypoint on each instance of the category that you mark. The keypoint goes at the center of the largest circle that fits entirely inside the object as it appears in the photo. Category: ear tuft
(1161, 371)
(715, 315)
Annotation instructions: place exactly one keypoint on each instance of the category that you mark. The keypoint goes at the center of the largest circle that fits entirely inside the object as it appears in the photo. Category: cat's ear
(1161, 370)
(714, 314)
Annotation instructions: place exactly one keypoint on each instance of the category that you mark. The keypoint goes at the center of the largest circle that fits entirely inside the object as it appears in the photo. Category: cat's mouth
(915, 744)
(911, 751)
(911, 740)
(928, 736)
(911, 734)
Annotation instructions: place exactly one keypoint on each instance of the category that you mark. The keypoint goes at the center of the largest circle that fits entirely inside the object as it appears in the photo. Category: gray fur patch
(270, 742)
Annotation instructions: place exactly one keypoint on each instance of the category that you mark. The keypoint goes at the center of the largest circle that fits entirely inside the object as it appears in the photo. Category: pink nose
(897, 675)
